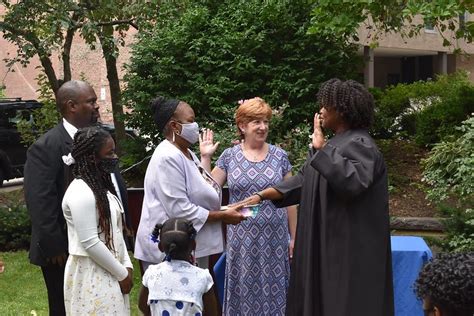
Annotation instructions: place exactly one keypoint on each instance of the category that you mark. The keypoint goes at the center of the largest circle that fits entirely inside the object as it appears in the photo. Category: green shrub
(15, 230)
(45, 117)
(296, 143)
(449, 171)
(459, 229)
(389, 105)
(396, 106)
(439, 119)
(424, 111)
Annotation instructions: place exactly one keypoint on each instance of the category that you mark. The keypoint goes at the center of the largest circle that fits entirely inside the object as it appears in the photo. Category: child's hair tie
(154, 238)
(156, 233)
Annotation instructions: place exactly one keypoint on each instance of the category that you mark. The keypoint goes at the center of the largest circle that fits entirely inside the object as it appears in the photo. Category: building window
(462, 20)
(393, 79)
(429, 26)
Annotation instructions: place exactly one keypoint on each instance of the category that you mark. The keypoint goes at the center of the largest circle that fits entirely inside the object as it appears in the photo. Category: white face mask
(190, 132)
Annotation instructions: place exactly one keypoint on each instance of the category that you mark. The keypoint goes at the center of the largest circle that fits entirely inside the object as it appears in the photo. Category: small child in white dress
(176, 286)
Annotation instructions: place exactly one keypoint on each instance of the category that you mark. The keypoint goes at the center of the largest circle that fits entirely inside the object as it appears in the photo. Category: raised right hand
(318, 135)
(207, 147)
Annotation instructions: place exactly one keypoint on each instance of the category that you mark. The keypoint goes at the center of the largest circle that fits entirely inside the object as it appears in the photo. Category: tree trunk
(108, 49)
(66, 54)
(50, 73)
(115, 96)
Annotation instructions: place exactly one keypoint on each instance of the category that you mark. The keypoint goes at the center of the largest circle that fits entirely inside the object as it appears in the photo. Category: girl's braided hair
(87, 144)
(175, 237)
(350, 99)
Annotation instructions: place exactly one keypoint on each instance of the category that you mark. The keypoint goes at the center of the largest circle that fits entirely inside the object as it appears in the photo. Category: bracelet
(260, 196)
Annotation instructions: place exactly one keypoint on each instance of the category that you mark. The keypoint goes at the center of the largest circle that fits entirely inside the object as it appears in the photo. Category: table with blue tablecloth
(409, 254)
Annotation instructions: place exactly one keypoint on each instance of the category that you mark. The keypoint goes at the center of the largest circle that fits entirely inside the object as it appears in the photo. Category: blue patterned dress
(257, 266)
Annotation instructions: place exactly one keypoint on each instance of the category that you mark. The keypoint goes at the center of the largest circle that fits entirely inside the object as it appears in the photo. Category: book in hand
(247, 211)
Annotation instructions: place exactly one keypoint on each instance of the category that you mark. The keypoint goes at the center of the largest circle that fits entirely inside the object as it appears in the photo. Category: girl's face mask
(108, 165)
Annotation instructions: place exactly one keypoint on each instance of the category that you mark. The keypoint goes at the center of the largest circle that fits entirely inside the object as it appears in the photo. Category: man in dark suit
(46, 180)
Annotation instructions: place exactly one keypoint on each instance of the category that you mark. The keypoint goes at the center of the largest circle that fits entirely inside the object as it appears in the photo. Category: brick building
(19, 81)
(406, 60)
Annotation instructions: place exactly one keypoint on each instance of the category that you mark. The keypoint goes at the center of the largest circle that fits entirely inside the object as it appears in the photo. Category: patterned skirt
(89, 289)
(257, 265)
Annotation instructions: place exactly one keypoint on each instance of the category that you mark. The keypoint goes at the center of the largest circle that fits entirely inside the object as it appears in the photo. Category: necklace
(254, 156)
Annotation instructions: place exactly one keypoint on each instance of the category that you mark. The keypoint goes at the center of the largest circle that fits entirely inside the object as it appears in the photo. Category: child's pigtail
(191, 231)
(156, 233)
(171, 249)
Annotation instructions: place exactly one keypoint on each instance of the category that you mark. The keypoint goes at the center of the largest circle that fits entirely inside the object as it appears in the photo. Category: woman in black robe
(342, 258)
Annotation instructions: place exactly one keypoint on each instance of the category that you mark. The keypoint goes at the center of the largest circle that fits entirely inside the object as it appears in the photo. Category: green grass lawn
(22, 288)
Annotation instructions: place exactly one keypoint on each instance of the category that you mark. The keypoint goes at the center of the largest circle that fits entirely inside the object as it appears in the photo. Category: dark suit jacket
(45, 181)
(129, 240)
(44, 185)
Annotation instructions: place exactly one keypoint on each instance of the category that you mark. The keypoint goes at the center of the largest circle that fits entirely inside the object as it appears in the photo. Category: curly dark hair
(350, 99)
(448, 282)
(87, 144)
(176, 236)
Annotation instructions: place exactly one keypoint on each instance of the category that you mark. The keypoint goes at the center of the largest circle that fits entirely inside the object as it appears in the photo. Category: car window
(26, 115)
(7, 118)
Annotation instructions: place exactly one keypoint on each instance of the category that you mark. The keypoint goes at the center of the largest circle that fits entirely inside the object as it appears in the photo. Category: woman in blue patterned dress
(259, 249)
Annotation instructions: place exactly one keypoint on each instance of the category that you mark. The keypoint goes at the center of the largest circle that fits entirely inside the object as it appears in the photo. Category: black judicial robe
(342, 258)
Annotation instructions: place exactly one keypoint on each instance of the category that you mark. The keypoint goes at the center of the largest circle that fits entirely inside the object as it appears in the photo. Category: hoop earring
(173, 137)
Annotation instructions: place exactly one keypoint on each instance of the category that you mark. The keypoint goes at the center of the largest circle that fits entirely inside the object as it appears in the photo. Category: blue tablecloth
(409, 254)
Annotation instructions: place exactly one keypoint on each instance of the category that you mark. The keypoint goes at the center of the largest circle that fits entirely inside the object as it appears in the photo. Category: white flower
(68, 160)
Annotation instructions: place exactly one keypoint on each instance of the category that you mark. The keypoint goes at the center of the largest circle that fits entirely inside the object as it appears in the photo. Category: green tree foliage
(38, 28)
(340, 18)
(43, 27)
(214, 53)
(449, 170)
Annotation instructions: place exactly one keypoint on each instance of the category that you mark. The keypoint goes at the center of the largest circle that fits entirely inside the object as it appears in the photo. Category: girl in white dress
(176, 286)
(98, 273)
